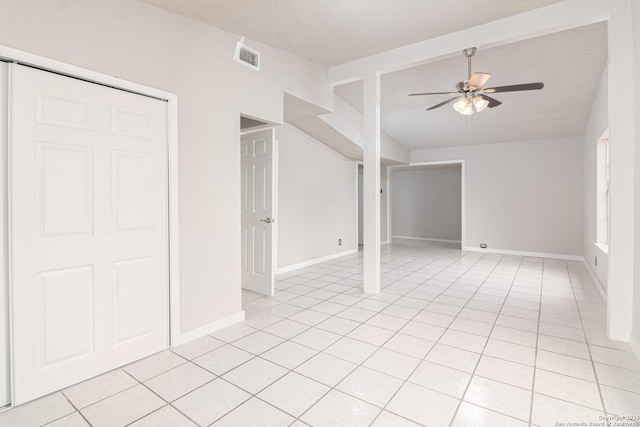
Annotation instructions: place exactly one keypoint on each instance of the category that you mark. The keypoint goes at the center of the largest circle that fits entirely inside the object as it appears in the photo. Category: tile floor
(454, 339)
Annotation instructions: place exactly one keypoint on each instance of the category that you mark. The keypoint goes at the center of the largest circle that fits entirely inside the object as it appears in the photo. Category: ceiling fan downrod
(469, 52)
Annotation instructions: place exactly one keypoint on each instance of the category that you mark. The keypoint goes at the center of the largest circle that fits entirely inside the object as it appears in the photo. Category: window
(602, 197)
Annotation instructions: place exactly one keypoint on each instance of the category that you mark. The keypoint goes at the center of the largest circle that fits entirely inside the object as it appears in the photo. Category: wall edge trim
(430, 239)
(603, 292)
(634, 343)
(313, 261)
(526, 253)
(209, 328)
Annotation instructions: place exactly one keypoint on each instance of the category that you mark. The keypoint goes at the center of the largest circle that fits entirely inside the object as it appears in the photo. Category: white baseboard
(315, 261)
(634, 343)
(209, 328)
(603, 292)
(384, 242)
(525, 253)
(425, 238)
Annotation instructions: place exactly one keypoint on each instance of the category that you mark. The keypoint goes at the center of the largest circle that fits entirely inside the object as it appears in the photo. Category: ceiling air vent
(247, 56)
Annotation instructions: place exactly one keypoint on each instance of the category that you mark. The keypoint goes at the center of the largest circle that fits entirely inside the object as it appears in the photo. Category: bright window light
(603, 188)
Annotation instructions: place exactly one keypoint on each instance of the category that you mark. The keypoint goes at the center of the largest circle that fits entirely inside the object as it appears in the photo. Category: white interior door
(5, 397)
(88, 209)
(257, 157)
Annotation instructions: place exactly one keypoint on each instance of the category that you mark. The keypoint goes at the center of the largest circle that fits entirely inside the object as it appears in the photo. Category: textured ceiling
(336, 31)
(570, 64)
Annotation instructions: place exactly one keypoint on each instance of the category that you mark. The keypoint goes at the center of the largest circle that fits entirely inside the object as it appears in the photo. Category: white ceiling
(570, 64)
(336, 31)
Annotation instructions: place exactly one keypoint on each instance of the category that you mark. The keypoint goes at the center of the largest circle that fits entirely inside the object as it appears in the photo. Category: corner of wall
(208, 329)
(635, 329)
(597, 123)
(634, 343)
(594, 277)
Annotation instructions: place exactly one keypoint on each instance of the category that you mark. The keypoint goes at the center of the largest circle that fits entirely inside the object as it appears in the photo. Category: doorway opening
(384, 204)
(251, 124)
(360, 206)
(427, 203)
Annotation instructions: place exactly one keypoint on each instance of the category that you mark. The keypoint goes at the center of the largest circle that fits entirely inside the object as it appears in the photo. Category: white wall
(348, 121)
(521, 196)
(426, 203)
(4, 276)
(316, 199)
(392, 150)
(143, 44)
(635, 333)
(345, 119)
(597, 124)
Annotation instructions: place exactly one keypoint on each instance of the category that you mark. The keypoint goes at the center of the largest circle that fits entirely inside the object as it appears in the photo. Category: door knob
(268, 220)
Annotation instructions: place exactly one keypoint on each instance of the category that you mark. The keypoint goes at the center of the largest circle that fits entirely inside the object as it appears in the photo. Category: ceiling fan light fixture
(480, 103)
(468, 96)
(463, 106)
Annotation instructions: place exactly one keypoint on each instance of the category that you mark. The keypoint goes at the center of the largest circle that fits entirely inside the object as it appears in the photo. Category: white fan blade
(479, 79)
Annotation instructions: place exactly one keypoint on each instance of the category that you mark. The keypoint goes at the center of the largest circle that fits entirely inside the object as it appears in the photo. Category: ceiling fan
(471, 92)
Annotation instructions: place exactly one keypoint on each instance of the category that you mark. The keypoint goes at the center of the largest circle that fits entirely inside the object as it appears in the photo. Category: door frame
(15, 56)
(4, 256)
(391, 169)
(386, 239)
(275, 150)
(359, 164)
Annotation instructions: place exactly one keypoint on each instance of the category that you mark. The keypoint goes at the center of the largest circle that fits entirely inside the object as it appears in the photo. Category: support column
(371, 182)
(621, 193)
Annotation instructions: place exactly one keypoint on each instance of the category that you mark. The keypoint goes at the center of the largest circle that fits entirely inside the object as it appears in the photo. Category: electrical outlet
(339, 242)
(483, 245)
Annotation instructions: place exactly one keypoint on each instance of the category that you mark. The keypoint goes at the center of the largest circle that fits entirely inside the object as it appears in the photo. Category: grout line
(317, 352)
(441, 335)
(290, 370)
(515, 275)
(440, 278)
(535, 356)
(185, 360)
(379, 347)
(586, 338)
(76, 410)
(367, 358)
(104, 398)
(170, 403)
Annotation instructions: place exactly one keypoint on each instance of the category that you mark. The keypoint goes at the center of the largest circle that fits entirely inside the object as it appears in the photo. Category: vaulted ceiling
(570, 63)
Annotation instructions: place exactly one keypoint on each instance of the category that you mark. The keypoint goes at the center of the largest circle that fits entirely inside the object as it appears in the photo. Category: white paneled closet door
(89, 248)
(5, 398)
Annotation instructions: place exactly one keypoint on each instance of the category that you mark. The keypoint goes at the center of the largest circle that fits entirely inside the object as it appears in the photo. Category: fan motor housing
(463, 87)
